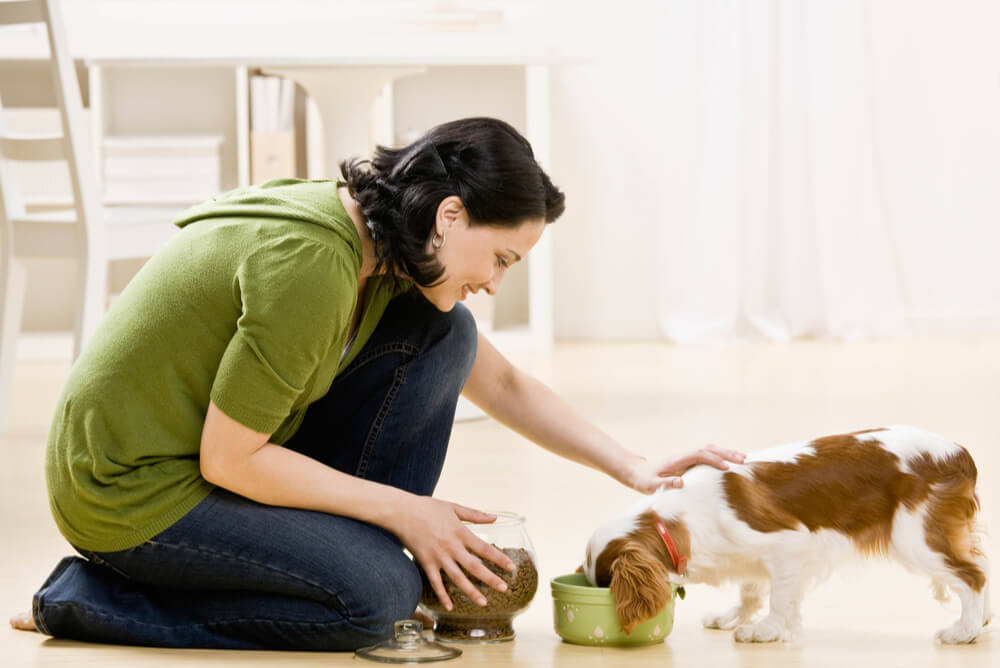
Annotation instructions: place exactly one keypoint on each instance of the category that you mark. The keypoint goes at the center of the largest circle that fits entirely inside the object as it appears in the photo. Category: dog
(783, 519)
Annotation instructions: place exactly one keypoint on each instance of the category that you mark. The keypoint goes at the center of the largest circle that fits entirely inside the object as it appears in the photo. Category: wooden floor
(657, 399)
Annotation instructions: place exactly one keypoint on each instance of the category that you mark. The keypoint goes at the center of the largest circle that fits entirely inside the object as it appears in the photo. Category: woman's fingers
(485, 550)
(434, 577)
(472, 515)
(472, 563)
(711, 458)
(472, 566)
(478, 569)
(711, 455)
(728, 455)
(457, 576)
(491, 553)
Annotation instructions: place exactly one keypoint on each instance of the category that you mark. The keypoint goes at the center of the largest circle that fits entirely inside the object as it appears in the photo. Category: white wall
(937, 91)
(937, 96)
(607, 128)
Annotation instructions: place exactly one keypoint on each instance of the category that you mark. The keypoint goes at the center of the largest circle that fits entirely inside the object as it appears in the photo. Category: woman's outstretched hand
(647, 476)
(433, 532)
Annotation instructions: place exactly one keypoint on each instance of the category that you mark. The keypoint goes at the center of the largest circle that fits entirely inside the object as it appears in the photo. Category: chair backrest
(16, 147)
(70, 145)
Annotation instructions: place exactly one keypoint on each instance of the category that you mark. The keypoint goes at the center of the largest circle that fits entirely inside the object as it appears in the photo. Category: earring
(438, 245)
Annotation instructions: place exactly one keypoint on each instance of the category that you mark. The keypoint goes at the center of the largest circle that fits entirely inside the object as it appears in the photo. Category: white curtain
(775, 223)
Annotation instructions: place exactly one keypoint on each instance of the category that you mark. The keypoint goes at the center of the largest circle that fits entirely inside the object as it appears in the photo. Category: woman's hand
(433, 532)
(648, 476)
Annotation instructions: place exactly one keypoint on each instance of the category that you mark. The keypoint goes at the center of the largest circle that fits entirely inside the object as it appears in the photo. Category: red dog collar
(680, 563)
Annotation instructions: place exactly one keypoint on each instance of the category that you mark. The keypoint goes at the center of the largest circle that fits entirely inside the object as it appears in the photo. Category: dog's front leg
(751, 600)
(787, 589)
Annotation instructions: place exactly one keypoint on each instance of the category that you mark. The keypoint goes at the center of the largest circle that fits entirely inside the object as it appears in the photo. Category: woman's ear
(448, 213)
(639, 582)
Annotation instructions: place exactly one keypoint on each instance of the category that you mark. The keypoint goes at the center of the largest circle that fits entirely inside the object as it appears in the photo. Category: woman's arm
(533, 410)
(245, 462)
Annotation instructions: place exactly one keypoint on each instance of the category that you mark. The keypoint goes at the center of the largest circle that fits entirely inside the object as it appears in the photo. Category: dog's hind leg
(751, 600)
(969, 625)
(941, 540)
(960, 571)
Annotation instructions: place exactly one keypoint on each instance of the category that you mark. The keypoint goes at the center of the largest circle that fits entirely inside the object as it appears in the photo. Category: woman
(254, 432)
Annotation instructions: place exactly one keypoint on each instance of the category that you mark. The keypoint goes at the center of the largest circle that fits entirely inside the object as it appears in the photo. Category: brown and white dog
(782, 520)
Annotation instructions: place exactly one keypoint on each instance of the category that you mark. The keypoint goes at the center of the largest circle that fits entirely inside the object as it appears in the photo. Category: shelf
(141, 98)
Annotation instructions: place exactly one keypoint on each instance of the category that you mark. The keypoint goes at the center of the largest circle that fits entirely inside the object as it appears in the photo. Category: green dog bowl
(585, 615)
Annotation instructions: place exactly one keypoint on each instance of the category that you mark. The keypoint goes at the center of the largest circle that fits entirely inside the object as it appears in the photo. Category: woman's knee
(383, 598)
(463, 335)
(433, 332)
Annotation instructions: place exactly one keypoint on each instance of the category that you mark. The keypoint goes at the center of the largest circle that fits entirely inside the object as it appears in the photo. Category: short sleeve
(297, 297)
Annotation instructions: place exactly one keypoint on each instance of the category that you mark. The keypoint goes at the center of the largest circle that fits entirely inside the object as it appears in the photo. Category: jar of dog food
(469, 622)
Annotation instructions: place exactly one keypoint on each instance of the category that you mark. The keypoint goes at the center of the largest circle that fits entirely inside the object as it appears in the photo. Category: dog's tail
(951, 520)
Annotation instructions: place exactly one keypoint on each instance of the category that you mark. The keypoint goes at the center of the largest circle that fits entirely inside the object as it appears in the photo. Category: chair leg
(92, 294)
(12, 285)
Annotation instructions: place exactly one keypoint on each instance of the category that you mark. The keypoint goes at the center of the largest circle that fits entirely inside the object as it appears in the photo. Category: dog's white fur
(785, 563)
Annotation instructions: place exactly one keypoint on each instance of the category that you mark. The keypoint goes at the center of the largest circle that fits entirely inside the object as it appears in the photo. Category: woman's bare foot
(23, 622)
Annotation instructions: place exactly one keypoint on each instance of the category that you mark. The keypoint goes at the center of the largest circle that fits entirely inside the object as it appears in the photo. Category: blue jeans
(237, 574)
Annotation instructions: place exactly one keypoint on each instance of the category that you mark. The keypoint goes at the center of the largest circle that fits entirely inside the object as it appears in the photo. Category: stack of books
(272, 128)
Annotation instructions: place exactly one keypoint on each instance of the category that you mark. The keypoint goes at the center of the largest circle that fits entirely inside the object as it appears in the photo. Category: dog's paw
(958, 634)
(726, 621)
(766, 630)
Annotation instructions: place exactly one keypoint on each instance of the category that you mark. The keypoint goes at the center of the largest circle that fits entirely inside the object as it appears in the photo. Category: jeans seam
(331, 597)
(215, 622)
(38, 599)
(397, 381)
(379, 351)
(36, 614)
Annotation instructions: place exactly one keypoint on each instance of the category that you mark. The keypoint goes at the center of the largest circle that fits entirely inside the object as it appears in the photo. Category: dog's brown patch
(847, 485)
(645, 534)
(637, 566)
(855, 487)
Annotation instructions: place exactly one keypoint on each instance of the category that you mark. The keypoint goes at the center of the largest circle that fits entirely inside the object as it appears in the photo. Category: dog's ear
(639, 582)
(579, 569)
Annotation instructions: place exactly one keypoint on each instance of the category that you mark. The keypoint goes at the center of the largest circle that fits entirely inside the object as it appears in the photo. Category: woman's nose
(493, 284)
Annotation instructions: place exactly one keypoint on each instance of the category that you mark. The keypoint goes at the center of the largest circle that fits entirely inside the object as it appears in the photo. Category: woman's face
(475, 257)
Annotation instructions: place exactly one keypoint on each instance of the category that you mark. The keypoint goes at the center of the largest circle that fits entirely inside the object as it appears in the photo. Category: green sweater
(249, 305)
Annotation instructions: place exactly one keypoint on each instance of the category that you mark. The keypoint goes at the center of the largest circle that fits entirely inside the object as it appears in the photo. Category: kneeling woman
(254, 432)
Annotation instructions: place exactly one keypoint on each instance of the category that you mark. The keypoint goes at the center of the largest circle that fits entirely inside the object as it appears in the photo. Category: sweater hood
(311, 202)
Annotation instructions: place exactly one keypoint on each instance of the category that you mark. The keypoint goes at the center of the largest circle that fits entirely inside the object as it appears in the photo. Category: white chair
(90, 233)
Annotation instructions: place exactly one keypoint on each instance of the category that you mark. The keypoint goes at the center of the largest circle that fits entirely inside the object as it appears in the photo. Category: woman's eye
(502, 262)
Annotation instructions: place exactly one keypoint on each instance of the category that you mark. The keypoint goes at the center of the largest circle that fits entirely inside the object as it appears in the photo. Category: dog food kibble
(467, 620)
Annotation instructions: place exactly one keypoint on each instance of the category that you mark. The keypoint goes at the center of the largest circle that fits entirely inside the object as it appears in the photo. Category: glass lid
(408, 646)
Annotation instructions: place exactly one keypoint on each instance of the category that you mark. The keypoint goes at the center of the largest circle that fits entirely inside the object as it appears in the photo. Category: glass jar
(467, 621)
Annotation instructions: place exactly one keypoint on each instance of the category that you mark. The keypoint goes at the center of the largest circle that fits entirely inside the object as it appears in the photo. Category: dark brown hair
(483, 161)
